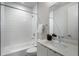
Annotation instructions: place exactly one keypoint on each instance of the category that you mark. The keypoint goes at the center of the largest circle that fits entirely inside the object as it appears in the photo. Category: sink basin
(56, 43)
(59, 44)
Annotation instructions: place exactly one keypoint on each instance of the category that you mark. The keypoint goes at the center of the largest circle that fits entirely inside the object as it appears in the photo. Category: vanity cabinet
(41, 50)
(44, 51)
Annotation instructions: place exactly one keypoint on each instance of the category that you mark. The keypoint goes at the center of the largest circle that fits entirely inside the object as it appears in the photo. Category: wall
(51, 22)
(16, 28)
(43, 12)
(43, 16)
(66, 21)
(34, 25)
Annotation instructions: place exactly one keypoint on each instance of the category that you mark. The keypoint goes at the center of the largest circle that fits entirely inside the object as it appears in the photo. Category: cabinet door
(41, 50)
(53, 53)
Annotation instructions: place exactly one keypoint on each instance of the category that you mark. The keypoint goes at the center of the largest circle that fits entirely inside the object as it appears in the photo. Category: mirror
(63, 20)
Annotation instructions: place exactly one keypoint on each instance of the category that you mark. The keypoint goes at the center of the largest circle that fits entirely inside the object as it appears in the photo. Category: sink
(59, 44)
(56, 43)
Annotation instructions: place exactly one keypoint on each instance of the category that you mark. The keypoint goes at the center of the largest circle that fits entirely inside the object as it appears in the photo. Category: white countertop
(65, 49)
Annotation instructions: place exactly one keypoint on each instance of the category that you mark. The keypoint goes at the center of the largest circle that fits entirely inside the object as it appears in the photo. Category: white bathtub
(17, 48)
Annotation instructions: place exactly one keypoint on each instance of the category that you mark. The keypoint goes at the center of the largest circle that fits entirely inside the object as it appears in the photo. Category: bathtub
(16, 50)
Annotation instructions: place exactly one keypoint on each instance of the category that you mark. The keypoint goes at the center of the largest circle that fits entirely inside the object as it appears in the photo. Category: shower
(17, 26)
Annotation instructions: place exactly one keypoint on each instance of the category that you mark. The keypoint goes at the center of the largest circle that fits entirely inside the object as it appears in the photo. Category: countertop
(63, 48)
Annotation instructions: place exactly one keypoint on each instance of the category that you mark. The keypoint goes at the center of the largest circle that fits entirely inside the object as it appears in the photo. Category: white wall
(51, 22)
(34, 25)
(16, 28)
(43, 13)
(34, 20)
(43, 16)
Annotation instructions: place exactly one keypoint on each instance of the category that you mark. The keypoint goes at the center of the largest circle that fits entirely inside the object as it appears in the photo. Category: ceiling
(32, 4)
(28, 4)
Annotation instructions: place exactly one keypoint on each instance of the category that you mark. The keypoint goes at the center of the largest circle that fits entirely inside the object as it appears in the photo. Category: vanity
(54, 48)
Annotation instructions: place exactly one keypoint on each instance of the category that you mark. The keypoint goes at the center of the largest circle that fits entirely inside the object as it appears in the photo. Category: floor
(19, 53)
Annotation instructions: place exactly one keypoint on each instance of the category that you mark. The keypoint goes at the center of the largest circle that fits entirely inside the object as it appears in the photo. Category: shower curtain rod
(18, 9)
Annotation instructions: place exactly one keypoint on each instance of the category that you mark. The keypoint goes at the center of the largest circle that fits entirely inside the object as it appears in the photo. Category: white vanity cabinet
(44, 51)
(41, 50)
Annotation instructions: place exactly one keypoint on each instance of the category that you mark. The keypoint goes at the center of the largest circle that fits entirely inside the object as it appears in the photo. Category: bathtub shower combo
(18, 28)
